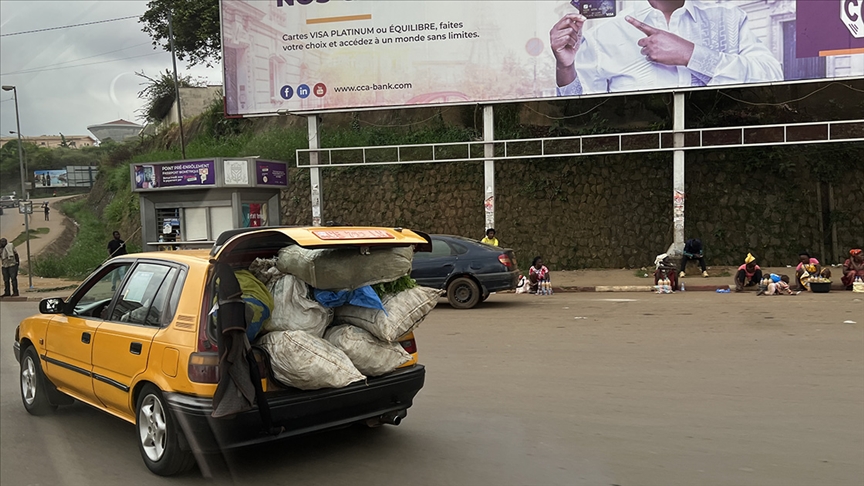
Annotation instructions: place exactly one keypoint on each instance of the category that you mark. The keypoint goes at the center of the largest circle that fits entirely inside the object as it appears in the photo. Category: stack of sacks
(312, 288)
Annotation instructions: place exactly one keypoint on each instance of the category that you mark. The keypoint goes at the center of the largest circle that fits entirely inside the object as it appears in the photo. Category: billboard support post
(489, 166)
(678, 194)
(315, 172)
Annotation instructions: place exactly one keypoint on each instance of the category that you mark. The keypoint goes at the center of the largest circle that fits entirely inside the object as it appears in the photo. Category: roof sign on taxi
(353, 235)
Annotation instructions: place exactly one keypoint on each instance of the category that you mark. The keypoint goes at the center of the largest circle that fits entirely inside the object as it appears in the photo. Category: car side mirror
(54, 305)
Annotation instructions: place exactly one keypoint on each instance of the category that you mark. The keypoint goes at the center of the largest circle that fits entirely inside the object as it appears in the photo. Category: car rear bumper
(297, 411)
(496, 282)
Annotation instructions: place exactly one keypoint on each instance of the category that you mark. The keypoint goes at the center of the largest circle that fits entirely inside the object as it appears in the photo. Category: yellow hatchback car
(138, 340)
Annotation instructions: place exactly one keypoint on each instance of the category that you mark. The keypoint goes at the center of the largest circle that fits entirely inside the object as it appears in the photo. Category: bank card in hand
(595, 9)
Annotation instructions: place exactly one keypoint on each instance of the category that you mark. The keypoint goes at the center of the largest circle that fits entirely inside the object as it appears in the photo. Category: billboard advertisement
(316, 55)
(178, 174)
(50, 178)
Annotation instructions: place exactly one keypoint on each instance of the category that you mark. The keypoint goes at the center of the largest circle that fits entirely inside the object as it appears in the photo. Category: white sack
(293, 310)
(405, 311)
(370, 355)
(345, 268)
(307, 362)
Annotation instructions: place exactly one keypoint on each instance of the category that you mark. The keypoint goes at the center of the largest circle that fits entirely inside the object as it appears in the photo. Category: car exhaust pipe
(392, 418)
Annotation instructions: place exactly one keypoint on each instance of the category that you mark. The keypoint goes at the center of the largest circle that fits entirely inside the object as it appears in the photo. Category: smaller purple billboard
(271, 173)
(180, 174)
(199, 173)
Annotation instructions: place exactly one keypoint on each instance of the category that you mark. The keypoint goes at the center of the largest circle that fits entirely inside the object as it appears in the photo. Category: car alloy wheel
(28, 380)
(152, 428)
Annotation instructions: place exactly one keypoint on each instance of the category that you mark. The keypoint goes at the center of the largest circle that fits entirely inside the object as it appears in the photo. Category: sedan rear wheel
(158, 435)
(463, 293)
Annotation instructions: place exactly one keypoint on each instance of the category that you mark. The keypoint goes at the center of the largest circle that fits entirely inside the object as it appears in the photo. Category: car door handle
(135, 348)
(85, 338)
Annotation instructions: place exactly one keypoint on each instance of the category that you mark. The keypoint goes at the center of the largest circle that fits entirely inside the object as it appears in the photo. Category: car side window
(156, 315)
(460, 248)
(174, 300)
(139, 294)
(95, 298)
(439, 248)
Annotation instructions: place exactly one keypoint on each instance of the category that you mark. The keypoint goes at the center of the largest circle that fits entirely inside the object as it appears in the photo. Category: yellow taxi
(137, 340)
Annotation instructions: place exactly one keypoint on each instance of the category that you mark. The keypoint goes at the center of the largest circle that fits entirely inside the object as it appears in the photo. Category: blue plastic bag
(362, 297)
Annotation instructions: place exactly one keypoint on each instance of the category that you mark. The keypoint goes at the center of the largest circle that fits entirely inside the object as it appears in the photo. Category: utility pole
(176, 83)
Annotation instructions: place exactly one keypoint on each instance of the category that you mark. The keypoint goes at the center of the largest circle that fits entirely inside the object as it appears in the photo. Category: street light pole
(23, 188)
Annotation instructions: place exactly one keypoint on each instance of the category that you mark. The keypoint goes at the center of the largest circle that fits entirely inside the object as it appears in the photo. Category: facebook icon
(287, 92)
(303, 91)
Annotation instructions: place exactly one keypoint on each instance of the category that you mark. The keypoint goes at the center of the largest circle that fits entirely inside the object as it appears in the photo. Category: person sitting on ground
(853, 267)
(665, 269)
(490, 239)
(779, 285)
(537, 273)
(748, 274)
(808, 267)
(693, 251)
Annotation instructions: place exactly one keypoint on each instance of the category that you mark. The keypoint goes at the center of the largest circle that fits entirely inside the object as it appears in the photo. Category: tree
(159, 94)
(196, 28)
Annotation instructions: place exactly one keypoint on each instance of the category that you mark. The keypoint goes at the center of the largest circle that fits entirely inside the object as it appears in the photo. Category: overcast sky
(78, 76)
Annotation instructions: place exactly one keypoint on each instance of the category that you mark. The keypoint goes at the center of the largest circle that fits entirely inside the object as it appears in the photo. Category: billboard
(50, 178)
(316, 55)
(178, 174)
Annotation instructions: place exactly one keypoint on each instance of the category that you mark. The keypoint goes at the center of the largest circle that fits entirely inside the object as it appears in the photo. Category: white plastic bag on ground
(345, 268)
(405, 311)
(307, 362)
(369, 354)
(293, 310)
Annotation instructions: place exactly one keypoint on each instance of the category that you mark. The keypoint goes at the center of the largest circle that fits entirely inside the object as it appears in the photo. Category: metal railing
(585, 145)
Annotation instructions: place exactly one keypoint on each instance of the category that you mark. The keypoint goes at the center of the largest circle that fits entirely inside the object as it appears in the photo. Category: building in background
(117, 130)
(54, 141)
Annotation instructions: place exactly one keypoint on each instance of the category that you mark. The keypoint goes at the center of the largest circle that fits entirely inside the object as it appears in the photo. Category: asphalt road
(571, 389)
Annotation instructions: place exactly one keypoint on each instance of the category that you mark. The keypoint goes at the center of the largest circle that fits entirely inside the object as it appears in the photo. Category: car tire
(34, 385)
(463, 293)
(159, 435)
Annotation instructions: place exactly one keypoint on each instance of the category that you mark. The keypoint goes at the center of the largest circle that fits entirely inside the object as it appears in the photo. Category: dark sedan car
(467, 269)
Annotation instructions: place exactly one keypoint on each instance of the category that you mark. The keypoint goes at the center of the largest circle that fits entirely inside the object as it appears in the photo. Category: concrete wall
(613, 211)
(194, 101)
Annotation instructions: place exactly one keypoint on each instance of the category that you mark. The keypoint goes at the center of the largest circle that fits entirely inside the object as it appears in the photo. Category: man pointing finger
(662, 44)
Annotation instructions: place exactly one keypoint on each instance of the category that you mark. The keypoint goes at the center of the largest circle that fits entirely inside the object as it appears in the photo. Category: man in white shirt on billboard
(660, 44)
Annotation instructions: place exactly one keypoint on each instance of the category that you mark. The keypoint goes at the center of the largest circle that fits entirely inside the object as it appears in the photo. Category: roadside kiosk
(189, 203)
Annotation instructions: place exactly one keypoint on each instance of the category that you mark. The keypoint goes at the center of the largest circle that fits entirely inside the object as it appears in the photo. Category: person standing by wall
(490, 238)
(693, 250)
(10, 262)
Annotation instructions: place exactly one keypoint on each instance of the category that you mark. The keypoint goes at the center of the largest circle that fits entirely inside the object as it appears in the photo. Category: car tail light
(204, 364)
(409, 345)
(505, 260)
(204, 367)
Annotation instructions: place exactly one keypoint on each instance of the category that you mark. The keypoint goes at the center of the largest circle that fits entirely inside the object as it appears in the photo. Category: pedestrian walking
(47, 210)
(10, 262)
